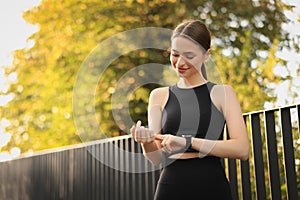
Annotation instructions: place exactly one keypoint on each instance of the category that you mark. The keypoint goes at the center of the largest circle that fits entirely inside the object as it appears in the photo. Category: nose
(180, 61)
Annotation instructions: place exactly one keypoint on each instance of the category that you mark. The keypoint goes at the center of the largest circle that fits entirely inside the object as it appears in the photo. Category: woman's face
(187, 57)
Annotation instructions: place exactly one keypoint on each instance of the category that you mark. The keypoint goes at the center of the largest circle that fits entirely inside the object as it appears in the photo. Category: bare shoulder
(159, 91)
(222, 91)
(220, 94)
(159, 96)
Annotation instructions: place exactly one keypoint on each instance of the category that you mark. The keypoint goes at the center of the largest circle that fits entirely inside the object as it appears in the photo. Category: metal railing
(271, 171)
(75, 172)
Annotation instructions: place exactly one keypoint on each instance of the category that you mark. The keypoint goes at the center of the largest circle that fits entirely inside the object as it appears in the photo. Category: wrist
(192, 142)
(188, 141)
(147, 143)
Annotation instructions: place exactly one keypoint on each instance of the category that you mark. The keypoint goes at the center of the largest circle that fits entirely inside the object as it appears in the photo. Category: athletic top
(190, 111)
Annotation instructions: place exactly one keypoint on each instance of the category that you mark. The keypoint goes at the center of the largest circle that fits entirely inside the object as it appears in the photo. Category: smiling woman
(188, 61)
(186, 122)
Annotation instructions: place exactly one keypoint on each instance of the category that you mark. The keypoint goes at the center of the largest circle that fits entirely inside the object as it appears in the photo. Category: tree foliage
(41, 113)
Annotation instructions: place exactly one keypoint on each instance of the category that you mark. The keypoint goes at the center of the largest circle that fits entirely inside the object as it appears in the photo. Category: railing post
(70, 172)
(258, 157)
(289, 158)
(246, 185)
(274, 175)
(245, 175)
(298, 114)
(232, 173)
(233, 178)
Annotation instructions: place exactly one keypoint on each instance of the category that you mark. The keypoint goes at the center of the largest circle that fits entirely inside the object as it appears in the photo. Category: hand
(170, 143)
(142, 134)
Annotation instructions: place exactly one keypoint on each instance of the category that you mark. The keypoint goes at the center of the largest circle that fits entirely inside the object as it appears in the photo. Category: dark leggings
(196, 178)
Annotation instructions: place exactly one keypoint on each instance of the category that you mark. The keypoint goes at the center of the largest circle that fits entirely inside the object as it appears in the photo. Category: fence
(271, 171)
(75, 172)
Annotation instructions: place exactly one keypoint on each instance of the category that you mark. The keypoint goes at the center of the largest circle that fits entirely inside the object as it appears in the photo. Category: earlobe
(207, 54)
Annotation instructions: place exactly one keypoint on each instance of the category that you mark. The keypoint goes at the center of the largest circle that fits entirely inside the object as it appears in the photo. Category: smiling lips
(181, 69)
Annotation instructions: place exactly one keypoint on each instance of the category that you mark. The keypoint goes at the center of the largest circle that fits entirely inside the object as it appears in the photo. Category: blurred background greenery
(246, 37)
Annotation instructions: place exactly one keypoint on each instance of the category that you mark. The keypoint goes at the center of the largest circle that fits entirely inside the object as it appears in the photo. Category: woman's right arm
(146, 136)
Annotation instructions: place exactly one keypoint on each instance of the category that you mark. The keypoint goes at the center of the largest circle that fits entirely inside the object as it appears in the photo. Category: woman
(186, 123)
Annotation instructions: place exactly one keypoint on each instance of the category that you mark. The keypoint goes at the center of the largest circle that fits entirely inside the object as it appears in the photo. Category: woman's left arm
(238, 145)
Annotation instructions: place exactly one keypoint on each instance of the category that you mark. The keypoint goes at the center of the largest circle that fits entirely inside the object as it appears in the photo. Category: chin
(180, 75)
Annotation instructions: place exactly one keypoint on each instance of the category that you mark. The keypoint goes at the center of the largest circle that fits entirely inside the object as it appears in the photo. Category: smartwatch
(188, 141)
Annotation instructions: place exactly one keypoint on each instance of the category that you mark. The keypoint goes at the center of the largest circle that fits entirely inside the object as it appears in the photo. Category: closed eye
(187, 55)
(190, 57)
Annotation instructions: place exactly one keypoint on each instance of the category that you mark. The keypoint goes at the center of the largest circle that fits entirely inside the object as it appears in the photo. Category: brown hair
(197, 32)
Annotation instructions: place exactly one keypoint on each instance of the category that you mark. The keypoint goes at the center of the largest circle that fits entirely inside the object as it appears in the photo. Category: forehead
(182, 44)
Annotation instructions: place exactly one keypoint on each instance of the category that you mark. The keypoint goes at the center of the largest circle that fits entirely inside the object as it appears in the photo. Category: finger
(150, 136)
(139, 123)
(167, 145)
(159, 137)
(166, 149)
(132, 127)
(132, 130)
(137, 134)
(143, 135)
(164, 141)
(148, 140)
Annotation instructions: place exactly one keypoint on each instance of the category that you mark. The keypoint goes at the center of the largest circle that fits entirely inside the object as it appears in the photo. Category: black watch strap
(188, 141)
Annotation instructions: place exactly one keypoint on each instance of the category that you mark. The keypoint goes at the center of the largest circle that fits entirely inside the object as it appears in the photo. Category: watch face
(186, 136)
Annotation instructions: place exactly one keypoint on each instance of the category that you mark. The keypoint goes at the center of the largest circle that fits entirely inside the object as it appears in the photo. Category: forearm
(232, 148)
(152, 152)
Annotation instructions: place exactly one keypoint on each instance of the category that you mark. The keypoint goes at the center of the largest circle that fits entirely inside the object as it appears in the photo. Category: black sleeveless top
(190, 111)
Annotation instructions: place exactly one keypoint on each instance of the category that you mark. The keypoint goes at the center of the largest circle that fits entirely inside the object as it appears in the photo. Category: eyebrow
(187, 52)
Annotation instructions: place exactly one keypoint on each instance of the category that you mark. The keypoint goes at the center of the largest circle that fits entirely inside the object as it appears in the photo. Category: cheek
(173, 60)
(195, 63)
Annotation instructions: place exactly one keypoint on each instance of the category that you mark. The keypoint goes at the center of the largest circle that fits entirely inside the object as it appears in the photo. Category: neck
(187, 83)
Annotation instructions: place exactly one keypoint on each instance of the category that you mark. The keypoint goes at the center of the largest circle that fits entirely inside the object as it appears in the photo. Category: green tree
(70, 30)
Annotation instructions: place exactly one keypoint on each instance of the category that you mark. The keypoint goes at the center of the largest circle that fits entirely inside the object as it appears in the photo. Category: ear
(207, 54)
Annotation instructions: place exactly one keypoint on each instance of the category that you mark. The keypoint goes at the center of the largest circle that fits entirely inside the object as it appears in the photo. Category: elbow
(244, 153)
(244, 157)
